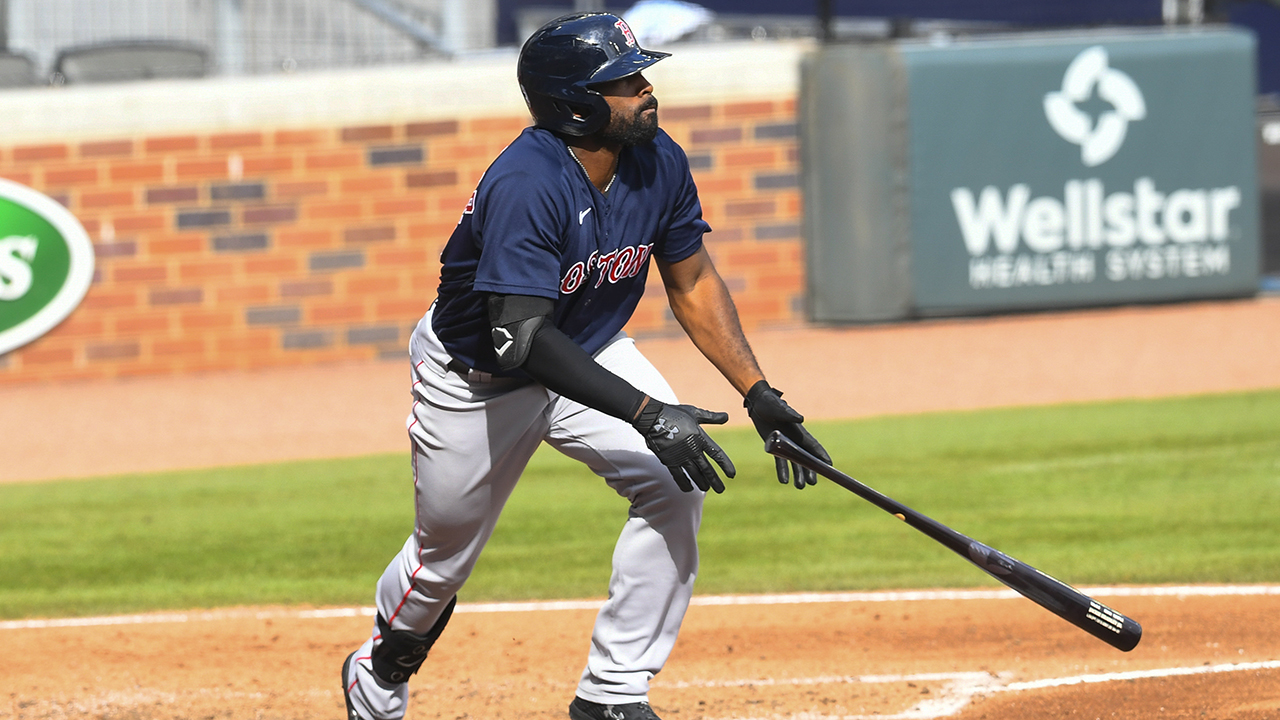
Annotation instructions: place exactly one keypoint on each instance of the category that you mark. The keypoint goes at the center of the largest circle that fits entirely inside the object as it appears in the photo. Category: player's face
(633, 109)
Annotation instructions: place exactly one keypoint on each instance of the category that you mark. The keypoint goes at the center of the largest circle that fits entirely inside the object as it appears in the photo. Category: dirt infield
(1207, 652)
(962, 655)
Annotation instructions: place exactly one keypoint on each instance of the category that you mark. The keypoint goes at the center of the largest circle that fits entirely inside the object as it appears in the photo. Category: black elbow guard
(515, 320)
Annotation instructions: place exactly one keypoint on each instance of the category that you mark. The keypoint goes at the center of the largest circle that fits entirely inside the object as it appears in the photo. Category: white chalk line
(891, 596)
(958, 691)
(959, 688)
(962, 687)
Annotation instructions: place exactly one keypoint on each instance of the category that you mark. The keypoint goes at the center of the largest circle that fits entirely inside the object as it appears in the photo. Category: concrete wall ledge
(481, 85)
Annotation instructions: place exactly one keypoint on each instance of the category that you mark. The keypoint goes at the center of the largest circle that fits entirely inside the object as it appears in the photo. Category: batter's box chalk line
(957, 692)
(962, 687)
(886, 596)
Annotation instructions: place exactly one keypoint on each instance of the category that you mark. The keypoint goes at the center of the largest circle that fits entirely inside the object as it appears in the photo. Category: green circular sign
(46, 264)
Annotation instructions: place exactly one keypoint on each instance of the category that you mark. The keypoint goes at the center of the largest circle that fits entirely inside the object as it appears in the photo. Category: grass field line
(962, 687)
(1140, 675)
(958, 692)
(956, 695)
(700, 600)
(975, 678)
(1101, 460)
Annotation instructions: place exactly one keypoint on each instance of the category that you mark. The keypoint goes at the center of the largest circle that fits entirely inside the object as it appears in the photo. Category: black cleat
(581, 709)
(346, 694)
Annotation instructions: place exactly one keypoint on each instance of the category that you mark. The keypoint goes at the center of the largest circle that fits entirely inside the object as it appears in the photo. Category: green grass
(1167, 491)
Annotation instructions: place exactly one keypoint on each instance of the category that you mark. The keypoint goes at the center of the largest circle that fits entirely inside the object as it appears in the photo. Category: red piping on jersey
(404, 599)
(356, 682)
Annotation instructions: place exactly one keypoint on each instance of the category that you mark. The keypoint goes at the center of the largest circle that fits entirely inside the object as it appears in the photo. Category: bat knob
(774, 442)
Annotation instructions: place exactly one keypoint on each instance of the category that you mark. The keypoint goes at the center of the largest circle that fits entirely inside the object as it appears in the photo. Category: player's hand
(770, 412)
(674, 434)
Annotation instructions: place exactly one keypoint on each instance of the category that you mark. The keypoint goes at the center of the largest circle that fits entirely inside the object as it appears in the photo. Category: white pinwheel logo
(1100, 140)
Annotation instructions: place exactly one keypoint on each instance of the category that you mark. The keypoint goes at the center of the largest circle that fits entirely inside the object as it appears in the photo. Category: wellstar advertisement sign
(1070, 171)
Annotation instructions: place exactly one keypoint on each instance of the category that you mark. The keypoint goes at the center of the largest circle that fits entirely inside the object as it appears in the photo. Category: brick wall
(280, 246)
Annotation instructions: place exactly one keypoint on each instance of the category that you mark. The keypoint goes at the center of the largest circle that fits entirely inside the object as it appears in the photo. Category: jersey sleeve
(519, 222)
(684, 234)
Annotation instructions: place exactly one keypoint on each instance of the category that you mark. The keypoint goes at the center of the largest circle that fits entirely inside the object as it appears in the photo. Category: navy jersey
(537, 226)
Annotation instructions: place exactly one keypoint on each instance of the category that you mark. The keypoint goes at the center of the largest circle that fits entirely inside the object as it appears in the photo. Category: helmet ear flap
(569, 117)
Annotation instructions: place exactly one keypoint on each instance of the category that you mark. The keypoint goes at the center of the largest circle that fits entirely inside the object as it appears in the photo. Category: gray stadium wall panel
(853, 143)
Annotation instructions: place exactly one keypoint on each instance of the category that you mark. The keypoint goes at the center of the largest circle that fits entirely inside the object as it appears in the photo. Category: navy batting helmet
(561, 62)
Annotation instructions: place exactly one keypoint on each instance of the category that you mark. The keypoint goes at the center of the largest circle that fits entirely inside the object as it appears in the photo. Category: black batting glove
(770, 412)
(672, 433)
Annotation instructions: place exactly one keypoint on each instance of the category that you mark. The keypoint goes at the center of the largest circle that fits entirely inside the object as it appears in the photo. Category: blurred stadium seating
(262, 36)
(252, 36)
(126, 61)
(16, 70)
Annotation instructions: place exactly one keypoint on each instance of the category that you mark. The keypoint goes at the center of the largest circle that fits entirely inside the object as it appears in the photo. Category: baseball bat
(1055, 596)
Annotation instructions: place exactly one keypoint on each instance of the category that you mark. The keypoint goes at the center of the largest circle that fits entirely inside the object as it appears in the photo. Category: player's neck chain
(613, 177)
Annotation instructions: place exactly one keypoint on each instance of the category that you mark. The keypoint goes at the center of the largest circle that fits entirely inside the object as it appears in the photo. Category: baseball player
(524, 345)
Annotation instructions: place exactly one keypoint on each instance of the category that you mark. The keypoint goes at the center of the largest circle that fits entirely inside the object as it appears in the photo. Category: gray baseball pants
(472, 438)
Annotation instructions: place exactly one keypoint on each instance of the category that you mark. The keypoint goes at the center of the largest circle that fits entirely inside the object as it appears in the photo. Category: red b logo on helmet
(626, 32)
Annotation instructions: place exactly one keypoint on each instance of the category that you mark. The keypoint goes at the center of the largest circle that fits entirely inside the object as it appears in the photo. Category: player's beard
(633, 130)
